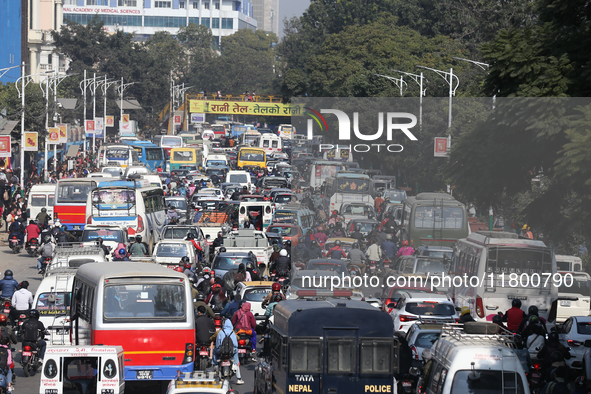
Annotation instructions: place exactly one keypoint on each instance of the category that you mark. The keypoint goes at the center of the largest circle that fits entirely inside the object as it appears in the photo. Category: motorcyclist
(186, 264)
(200, 301)
(357, 234)
(283, 263)
(524, 327)
(17, 228)
(287, 247)
(171, 215)
(336, 252)
(466, 316)
(338, 231)
(242, 275)
(8, 285)
(46, 249)
(275, 254)
(204, 327)
(120, 253)
(196, 245)
(219, 241)
(271, 307)
(378, 202)
(34, 332)
(547, 353)
(32, 231)
(243, 320)
(46, 231)
(42, 217)
(514, 316)
(357, 257)
(320, 236)
(374, 252)
(300, 251)
(275, 290)
(100, 243)
(7, 330)
(314, 252)
(537, 340)
(498, 320)
(389, 247)
(232, 307)
(405, 250)
(138, 248)
(228, 330)
(217, 299)
(63, 235)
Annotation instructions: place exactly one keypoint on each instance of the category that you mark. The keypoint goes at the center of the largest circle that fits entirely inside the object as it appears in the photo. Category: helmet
(206, 270)
(532, 310)
(357, 227)
(3, 319)
(222, 250)
(8, 273)
(276, 248)
(389, 237)
(34, 313)
(287, 243)
(185, 260)
(99, 240)
(122, 252)
(337, 242)
(516, 303)
(246, 224)
(314, 243)
(404, 242)
(220, 234)
(178, 269)
(497, 319)
(276, 286)
(524, 227)
(200, 297)
(465, 310)
(355, 245)
(138, 238)
(250, 266)
(556, 356)
(533, 319)
(553, 337)
(244, 188)
(190, 236)
(283, 253)
(44, 210)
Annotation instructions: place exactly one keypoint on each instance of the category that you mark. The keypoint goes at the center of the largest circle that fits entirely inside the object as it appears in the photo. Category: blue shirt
(389, 248)
(8, 286)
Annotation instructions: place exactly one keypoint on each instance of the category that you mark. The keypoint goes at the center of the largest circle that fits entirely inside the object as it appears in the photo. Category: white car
(573, 334)
(111, 236)
(243, 178)
(169, 252)
(211, 191)
(255, 292)
(421, 337)
(420, 307)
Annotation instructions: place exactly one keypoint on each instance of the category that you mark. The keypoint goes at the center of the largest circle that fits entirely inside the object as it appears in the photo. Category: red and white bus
(219, 130)
(144, 307)
(167, 142)
(70, 201)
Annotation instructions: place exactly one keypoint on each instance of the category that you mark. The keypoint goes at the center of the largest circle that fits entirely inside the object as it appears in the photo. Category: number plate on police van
(144, 375)
(64, 331)
(27, 354)
(406, 384)
(241, 350)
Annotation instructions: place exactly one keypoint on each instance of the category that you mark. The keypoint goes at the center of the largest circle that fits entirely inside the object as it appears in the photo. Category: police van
(473, 357)
(327, 346)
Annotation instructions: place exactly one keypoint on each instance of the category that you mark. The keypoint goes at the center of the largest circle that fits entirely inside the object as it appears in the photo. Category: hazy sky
(289, 8)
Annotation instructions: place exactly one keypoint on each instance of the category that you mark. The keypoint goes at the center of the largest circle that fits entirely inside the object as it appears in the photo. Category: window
(144, 300)
(153, 154)
(195, 5)
(54, 304)
(127, 3)
(215, 23)
(305, 355)
(340, 355)
(432, 217)
(97, 2)
(38, 200)
(206, 5)
(485, 382)
(162, 4)
(217, 6)
(194, 20)
(430, 308)
(375, 356)
(182, 156)
(72, 192)
(171, 250)
(181, 4)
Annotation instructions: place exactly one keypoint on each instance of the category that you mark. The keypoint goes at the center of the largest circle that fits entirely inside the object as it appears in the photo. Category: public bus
(167, 142)
(183, 156)
(295, 214)
(120, 154)
(134, 204)
(146, 308)
(285, 131)
(251, 157)
(311, 348)
(511, 267)
(320, 170)
(70, 202)
(219, 130)
(347, 187)
(248, 137)
(433, 219)
(150, 154)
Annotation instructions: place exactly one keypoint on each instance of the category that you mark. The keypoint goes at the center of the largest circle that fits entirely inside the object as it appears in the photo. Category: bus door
(341, 355)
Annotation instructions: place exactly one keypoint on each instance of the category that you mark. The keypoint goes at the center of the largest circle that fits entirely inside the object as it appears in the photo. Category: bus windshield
(352, 185)
(430, 217)
(517, 260)
(154, 154)
(171, 141)
(53, 304)
(74, 192)
(182, 156)
(251, 155)
(115, 198)
(145, 300)
(117, 154)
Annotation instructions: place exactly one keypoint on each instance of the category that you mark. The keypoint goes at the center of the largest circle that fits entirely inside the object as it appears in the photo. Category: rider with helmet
(336, 252)
(43, 217)
(274, 301)
(46, 250)
(33, 333)
(524, 327)
(138, 248)
(8, 285)
(186, 265)
(200, 301)
(120, 253)
(389, 247)
(357, 234)
(275, 291)
(357, 257)
(99, 241)
(498, 320)
(514, 316)
(283, 263)
(405, 250)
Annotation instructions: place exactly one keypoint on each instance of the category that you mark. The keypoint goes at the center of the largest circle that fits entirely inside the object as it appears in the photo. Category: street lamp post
(121, 89)
(419, 80)
(484, 66)
(398, 82)
(105, 86)
(449, 78)
(178, 95)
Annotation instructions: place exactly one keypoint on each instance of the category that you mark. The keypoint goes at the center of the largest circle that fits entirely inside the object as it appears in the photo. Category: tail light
(479, 307)
(572, 342)
(140, 224)
(188, 353)
(241, 342)
(406, 318)
(7, 304)
(89, 220)
(537, 367)
(27, 348)
(415, 353)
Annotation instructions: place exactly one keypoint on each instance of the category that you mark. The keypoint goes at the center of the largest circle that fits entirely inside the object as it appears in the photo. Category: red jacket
(514, 318)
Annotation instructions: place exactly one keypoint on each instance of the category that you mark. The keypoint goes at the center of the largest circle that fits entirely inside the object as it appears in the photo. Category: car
(227, 261)
(230, 187)
(573, 333)
(366, 226)
(435, 251)
(210, 191)
(289, 232)
(180, 205)
(252, 198)
(357, 210)
(282, 199)
(111, 235)
(334, 265)
(268, 183)
(414, 307)
(254, 292)
(278, 190)
(422, 266)
(180, 232)
(346, 245)
(199, 382)
(422, 336)
(170, 251)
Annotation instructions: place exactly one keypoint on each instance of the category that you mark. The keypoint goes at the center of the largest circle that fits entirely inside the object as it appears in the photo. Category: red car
(291, 232)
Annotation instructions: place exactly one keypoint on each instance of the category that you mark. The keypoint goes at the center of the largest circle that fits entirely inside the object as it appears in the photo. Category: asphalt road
(25, 268)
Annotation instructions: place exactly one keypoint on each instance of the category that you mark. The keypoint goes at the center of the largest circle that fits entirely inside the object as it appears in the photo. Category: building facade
(145, 17)
(266, 12)
(43, 17)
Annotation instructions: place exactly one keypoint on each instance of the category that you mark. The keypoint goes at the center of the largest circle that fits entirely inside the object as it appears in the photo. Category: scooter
(32, 246)
(225, 367)
(46, 261)
(14, 243)
(407, 384)
(244, 347)
(202, 361)
(30, 359)
(536, 381)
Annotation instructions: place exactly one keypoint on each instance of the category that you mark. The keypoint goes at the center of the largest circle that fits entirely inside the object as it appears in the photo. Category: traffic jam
(226, 262)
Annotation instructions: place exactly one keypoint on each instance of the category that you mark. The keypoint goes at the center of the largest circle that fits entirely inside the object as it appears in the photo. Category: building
(145, 17)
(13, 30)
(266, 12)
(44, 16)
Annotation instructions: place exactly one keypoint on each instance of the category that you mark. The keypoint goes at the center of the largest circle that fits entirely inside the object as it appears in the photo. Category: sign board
(125, 118)
(89, 127)
(244, 108)
(198, 118)
(441, 148)
(99, 124)
(125, 128)
(110, 122)
(5, 146)
(31, 141)
(53, 135)
(64, 129)
(177, 120)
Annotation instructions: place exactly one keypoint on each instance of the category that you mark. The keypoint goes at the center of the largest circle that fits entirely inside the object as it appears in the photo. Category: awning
(68, 103)
(7, 126)
(129, 104)
(73, 151)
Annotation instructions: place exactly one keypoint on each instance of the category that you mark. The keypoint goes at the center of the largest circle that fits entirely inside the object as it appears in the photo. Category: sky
(289, 8)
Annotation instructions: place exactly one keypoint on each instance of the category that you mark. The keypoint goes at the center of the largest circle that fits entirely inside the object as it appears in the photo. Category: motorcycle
(46, 261)
(386, 264)
(22, 316)
(407, 384)
(202, 361)
(14, 243)
(30, 359)
(536, 381)
(225, 367)
(6, 306)
(32, 246)
(354, 270)
(244, 347)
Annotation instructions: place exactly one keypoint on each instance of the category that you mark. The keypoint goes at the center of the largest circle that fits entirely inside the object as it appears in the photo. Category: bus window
(376, 356)
(340, 355)
(74, 192)
(154, 154)
(182, 156)
(305, 355)
(519, 261)
(38, 200)
(144, 301)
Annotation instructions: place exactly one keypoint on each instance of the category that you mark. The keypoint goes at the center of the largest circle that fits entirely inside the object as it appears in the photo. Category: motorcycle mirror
(391, 305)
(414, 371)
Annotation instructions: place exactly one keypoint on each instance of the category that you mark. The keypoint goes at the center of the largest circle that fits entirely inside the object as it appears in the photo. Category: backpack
(227, 346)
(3, 359)
(555, 387)
(30, 331)
(47, 250)
(4, 333)
(61, 237)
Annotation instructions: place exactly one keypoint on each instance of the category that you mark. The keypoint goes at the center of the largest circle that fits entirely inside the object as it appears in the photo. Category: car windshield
(178, 232)
(283, 231)
(338, 268)
(482, 381)
(144, 300)
(430, 308)
(432, 266)
(362, 210)
(178, 204)
(228, 263)
(257, 294)
(365, 227)
(437, 253)
(239, 178)
(171, 250)
(285, 198)
(54, 304)
(312, 282)
(426, 339)
(274, 182)
(115, 171)
(106, 235)
(578, 285)
(395, 195)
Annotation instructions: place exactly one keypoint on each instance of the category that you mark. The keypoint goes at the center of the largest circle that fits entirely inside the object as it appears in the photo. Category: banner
(125, 128)
(5, 146)
(31, 141)
(442, 146)
(98, 124)
(89, 127)
(64, 131)
(178, 120)
(53, 135)
(110, 121)
(244, 108)
(198, 118)
(125, 118)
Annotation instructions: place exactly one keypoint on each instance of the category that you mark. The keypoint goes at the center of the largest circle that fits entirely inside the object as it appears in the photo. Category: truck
(248, 240)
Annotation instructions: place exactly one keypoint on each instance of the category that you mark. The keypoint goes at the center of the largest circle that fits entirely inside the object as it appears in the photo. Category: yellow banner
(53, 135)
(244, 108)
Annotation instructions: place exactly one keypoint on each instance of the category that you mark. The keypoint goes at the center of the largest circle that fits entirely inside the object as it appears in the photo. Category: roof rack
(76, 249)
(198, 376)
(457, 331)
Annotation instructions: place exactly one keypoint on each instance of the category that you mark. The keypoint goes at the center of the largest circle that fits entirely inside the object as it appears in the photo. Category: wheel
(27, 370)
(15, 250)
(203, 364)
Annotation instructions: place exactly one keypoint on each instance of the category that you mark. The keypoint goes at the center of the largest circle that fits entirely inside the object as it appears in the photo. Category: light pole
(398, 82)
(121, 89)
(484, 66)
(105, 86)
(419, 80)
(178, 93)
(449, 78)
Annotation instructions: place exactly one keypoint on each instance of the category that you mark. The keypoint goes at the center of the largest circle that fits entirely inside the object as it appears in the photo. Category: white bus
(41, 196)
(285, 131)
(512, 267)
(248, 137)
(120, 154)
(347, 187)
(134, 204)
(320, 170)
(271, 143)
(144, 307)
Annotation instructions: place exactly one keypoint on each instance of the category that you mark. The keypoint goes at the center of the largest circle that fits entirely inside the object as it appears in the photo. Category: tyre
(203, 364)
(27, 370)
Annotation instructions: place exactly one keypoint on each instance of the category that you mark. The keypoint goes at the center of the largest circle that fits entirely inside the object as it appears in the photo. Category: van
(241, 177)
(252, 211)
(53, 300)
(574, 296)
(41, 196)
(568, 263)
(216, 161)
(269, 142)
(475, 358)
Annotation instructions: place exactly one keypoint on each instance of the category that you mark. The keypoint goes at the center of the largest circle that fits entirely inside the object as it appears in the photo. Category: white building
(145, 17)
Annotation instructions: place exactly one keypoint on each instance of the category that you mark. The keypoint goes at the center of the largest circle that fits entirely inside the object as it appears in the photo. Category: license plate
(386, 265)
(510, 297)
(536, 375)
(241, 350)
(372, 267)
(144, 375)
(62, 332)
(406, 384)
(204, 353)
(6, 310)
(33, 247)
(564, 303)
(78, 228)
(27, 354)
(225, 363)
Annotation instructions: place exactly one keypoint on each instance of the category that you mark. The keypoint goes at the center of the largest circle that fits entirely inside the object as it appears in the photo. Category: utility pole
(105, 86)
(449, 77)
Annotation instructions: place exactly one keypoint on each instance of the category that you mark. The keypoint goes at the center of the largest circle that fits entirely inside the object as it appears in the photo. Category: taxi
(199, 382)
(255, 292)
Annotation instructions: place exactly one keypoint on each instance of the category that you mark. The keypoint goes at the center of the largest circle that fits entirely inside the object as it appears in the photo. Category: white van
(574, 297)
(569, 263)
(216, 161)
(53, 300)
(252, 212)
(154, 179)
(269, 142)
(241, 177)
(464, 363)
(41, 196)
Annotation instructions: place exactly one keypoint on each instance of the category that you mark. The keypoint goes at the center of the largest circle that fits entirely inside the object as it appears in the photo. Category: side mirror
(207, 236)
(51, 298)
(391, 305)
(458, 309)
(414, 371)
